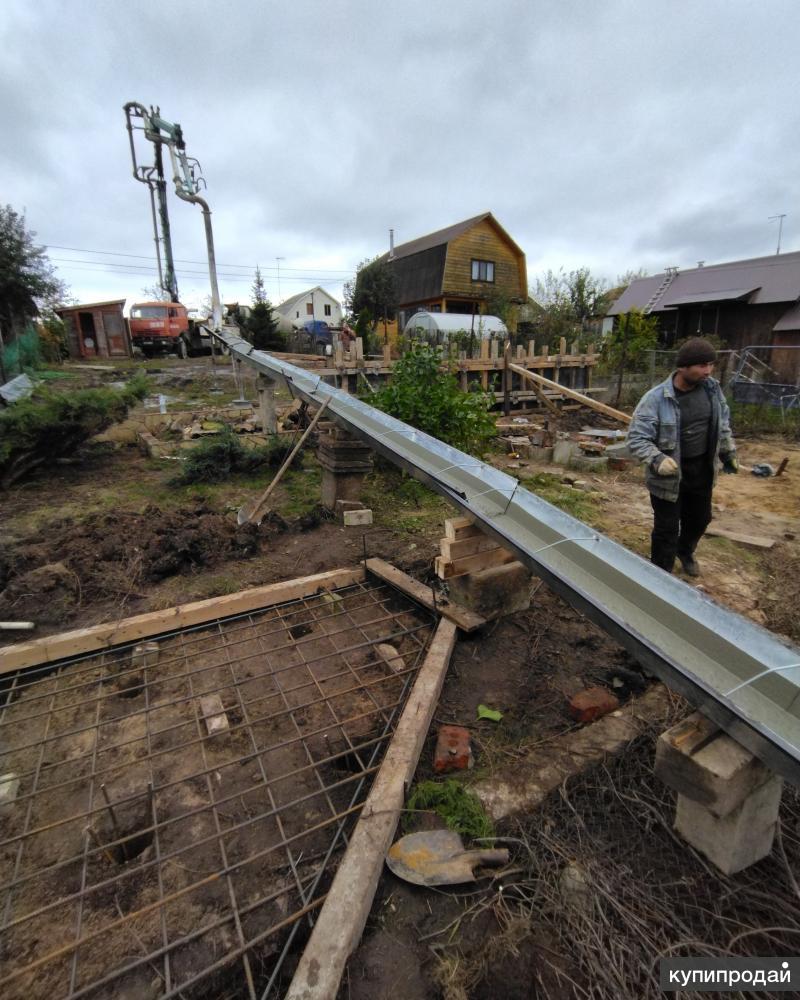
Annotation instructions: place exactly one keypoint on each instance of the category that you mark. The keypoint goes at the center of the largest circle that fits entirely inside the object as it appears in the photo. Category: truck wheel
(183, 351)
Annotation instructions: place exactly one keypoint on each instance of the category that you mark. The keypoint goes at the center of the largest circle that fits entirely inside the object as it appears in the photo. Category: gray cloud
(614, 135)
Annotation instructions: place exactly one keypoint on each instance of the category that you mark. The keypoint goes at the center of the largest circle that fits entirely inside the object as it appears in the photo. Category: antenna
(780, 219)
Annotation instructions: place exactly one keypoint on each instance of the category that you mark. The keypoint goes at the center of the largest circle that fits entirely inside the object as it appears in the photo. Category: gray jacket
(655, 432)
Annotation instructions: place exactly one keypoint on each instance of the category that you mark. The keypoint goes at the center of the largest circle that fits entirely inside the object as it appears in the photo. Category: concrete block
(345, 505)
(540, 454)
(145, 654)
(563, 451)
(357, 518)
(213, 713)
(741, 838)
(494, 592)
(593, 703)
(619, 450)
(453, 750)
(390, 657)
(700, 762)
(588, 463)
(9, 787)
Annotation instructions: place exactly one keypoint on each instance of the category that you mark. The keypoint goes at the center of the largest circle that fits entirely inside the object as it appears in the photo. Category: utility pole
(780, 219)
(278, 262)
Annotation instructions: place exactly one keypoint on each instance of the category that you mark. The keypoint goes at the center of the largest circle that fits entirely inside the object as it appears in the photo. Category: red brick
(591, 704)
(453, 752)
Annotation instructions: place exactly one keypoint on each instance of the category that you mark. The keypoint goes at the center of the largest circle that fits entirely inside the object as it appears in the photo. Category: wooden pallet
(466, 549)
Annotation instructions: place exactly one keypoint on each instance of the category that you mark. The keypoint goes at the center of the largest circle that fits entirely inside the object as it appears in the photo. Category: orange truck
(165, 327)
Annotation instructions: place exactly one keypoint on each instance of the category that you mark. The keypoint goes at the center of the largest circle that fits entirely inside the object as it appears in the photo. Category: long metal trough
(737, 673)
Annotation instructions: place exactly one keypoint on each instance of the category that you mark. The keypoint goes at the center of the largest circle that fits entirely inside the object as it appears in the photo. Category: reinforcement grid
(180, 803)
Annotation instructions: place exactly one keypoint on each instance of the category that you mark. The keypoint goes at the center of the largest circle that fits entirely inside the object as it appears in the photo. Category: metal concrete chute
(739, 674)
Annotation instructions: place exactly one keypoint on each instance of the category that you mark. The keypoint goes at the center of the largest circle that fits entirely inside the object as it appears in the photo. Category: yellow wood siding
(483, 242)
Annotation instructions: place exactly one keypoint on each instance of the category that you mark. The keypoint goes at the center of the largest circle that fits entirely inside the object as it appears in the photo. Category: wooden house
(458, 269)
(96, 330)
(746, 303)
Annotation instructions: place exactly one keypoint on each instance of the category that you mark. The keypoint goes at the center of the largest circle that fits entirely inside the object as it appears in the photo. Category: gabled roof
(757, 280)
(446, 235)
(293, 299)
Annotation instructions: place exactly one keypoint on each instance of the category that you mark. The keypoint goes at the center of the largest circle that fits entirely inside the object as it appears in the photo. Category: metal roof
(442, 236)
(789, 321)
(731, 295)
(771, 279)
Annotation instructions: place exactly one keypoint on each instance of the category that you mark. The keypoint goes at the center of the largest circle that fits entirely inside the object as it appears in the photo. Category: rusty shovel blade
(437, 857)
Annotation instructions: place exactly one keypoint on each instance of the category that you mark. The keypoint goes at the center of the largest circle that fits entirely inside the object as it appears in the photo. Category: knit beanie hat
(695, 352)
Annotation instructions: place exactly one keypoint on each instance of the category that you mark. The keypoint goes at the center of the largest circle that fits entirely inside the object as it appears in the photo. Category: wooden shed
(97, 330)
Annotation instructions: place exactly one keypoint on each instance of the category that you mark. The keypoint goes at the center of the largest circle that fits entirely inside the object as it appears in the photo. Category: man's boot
(689, 563)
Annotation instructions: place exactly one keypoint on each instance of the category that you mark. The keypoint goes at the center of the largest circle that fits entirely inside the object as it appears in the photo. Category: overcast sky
(616, 135)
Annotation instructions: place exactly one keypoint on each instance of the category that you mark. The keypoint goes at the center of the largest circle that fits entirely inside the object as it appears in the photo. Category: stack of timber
(466, 549)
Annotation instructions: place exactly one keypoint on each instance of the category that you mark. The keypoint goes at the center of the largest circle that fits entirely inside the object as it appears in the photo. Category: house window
(483, 270)
(309, 308)
(327, 310)
(297, 315)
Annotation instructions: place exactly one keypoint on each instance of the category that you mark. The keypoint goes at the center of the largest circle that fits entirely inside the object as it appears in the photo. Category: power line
(147, 270)
(138, 256)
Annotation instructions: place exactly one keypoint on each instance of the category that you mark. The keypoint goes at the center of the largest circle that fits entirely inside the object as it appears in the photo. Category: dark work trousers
(679, 525)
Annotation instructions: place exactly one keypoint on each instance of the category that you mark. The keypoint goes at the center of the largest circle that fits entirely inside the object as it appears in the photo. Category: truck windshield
(148, 312)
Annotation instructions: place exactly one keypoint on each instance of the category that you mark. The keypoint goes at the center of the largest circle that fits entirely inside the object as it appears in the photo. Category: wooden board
(466, 620)
(344, 914)
(609, 411)
(87, 640)
(472, 564)
(456, 528)
(751, 541)
(451, 550)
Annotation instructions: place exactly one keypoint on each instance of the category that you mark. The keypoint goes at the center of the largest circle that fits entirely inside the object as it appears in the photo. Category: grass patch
(457, 806)
(571, 501)
(402, 503)
(751, 419)
(217, 459)
(303, 488)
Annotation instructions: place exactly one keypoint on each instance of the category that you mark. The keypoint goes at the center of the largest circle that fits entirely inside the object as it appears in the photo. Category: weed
(217, 459)
(749, 418)
(571, 501)
(458, 807)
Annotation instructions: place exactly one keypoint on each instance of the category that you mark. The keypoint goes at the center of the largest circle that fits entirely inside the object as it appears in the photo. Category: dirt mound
(48, 595)
(112, 555)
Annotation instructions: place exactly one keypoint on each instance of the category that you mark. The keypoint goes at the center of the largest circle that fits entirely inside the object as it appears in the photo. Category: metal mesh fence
(19, 354)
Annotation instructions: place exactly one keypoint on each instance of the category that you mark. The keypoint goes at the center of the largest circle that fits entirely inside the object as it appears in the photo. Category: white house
(315, 303)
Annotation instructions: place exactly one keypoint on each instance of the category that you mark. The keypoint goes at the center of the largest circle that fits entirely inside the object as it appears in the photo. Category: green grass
(571, 501)
(458, 807)
(402, 503)
(303, 487)
(747, 418)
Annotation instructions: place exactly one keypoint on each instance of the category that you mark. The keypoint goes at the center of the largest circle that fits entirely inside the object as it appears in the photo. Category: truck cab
(160, 326)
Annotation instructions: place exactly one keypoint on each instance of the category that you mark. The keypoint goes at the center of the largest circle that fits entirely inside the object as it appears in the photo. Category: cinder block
(591, 704)
(588, 463)
(344, 505)
(702, 763)
(494, 592)
(453, 750)
(563, 451)
(741, 838)
(357, 518)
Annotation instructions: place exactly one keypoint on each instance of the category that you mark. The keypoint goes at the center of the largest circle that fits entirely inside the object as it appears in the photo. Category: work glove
(730, 463)
(666, 466)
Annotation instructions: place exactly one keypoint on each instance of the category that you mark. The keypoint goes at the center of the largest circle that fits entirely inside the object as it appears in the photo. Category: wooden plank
(609, 411)
(451, 549)
(751, 541)
(472, 564)
(460, 527)
(88, 640)
(344, 914)
(466, 620)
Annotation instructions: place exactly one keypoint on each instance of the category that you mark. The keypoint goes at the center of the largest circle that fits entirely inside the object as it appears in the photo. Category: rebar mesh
(180, 803)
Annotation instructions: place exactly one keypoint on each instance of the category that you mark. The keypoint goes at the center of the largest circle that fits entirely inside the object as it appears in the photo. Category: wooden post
(506, 379)
(266, 404)
(484, 371)
(531, 350)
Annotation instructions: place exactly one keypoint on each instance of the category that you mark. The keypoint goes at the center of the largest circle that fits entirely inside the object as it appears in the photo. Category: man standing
(679, 429)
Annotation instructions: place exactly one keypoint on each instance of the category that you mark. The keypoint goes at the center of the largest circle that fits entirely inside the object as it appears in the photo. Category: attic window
(327, 309)
(483, 270)
(309, 308)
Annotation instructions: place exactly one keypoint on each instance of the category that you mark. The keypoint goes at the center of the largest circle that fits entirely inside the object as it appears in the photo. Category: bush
(51, 425)
(424, 395)
(215, 460)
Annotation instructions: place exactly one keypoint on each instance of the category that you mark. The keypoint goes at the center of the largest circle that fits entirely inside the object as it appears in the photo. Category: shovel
(437, 857)
(254, 511)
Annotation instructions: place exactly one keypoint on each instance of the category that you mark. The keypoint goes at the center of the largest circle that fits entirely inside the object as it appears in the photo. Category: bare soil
(107, 540)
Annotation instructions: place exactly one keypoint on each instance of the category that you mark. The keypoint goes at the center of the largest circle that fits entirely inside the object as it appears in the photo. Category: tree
(155, 293)
(373, 290)
(629, 344)
(28, 284)
(258, 290)
(570, 302)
